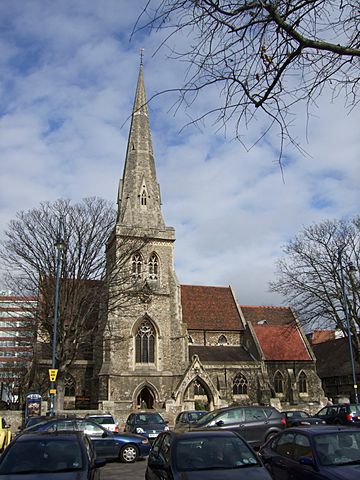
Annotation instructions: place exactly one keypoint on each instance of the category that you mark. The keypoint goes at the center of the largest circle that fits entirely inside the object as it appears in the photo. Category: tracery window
(136, 265)
(278, 383)
(143, 197)
(69, 386)
(153, 267)
(240, 385)
(302, 382)
(145, 343)
(222, 340)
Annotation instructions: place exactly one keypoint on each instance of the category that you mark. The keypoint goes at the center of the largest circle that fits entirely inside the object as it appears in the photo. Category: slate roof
(333, 358)
(210, 308)
(279, 337)
(222, 354)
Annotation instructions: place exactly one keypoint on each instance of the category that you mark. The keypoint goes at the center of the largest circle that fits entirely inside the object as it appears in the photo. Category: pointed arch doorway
(145, 399)
(198, 395)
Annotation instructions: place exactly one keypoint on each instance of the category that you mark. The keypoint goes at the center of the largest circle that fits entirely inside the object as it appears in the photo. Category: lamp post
(60, 247)
(346, 311)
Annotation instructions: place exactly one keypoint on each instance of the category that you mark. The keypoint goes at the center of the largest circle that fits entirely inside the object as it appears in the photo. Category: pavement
(124, 471)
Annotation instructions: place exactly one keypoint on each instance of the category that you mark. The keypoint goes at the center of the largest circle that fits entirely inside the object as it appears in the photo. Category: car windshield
(194, 416)
(204, 453)
(50, 455)
(338, 448)
(145, 418)
(207, 418)
(354, 408)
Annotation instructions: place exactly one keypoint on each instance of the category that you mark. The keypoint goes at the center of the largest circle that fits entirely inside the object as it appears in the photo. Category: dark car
(185, 419)
(51, 456)
(149, 424)
(203, 455)
(340, 414)
(314, 453)
(255, 424)
(126, 447)
(295, 418)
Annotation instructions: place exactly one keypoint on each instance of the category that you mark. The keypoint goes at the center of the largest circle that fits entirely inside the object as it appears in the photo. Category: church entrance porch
(145, 399)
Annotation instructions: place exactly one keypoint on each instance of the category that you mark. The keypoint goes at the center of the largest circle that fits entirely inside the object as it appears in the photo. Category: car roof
(26, 435)
(220, 433)
(323, 429)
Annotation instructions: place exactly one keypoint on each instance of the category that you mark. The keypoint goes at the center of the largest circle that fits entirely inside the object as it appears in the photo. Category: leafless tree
(30, 258)
(264, 56)
(310, 278)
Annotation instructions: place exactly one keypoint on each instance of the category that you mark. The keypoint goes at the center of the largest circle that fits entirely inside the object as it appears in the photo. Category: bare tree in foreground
(29, 256)
(309, 276)
(264, 56)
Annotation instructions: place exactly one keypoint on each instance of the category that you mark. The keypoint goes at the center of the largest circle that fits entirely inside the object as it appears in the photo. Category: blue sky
(68, 76)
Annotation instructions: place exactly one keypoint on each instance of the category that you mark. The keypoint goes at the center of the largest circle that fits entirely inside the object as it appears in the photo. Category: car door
(328, 413)
(255, 425)
(231, 419)
(104, 443)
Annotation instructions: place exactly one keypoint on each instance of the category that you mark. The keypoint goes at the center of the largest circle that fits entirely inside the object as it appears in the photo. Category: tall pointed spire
(139, 192)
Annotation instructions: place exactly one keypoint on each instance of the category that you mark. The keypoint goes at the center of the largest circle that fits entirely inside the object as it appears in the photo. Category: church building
(184, 346)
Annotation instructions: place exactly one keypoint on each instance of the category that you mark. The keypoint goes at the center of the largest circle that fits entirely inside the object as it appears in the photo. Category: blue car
(127, 447)
(314, 453)
(50, 456)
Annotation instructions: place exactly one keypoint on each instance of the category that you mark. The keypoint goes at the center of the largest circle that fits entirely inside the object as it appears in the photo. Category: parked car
(33, 420)
(5, 434)
(185, 419)
(256, 424)
(127, 447)
(203, 455)
(314, 453)
(50, 456)
(105, 420)
(295, 418)
(149, 424)
(340, 414)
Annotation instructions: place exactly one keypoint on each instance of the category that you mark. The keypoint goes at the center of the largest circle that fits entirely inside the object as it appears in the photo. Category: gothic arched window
(278, 383)
(136, 265)
(69, 385)
(302, 382)
(240, 385)
(143, 197)
(222, 340)
(153, 267)
(145, 343)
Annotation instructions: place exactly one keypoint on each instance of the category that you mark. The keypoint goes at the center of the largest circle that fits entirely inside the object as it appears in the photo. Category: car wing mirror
(309, 461)
(104, 435)
(220, 423)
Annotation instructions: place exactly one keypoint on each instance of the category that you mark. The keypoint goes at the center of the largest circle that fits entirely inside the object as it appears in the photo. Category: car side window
(164, 452)
(231, 416)
(63, 426)
(156, 446)
(254, 414)
(130, 420)
(285, 445)
(323, 412)
(302, 447)
(89, 428)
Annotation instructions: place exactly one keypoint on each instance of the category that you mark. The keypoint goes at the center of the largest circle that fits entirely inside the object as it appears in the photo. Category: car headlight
(140, 430)
(166, 428)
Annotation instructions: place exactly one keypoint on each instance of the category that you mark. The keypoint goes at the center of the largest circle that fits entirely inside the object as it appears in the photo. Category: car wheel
(128, 454)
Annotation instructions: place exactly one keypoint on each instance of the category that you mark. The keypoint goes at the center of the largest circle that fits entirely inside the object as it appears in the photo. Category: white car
(105, 420)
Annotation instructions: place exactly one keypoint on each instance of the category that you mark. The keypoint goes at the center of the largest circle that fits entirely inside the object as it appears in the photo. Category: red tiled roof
(210, 308)
(281, 342)
(320, 336)
(272, 315)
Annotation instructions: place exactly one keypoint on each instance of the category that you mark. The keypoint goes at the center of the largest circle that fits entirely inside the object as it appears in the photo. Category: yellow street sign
(53, 374)
(52, 391)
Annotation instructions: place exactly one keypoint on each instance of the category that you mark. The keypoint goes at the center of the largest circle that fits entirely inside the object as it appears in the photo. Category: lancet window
(302, 382)
(222, 340)
(136, 265)
(153, 267)
(278, 383)
(145, 343)
(69, 385)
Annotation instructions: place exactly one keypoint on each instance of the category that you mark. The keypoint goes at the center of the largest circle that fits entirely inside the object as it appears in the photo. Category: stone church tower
(145, 345)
